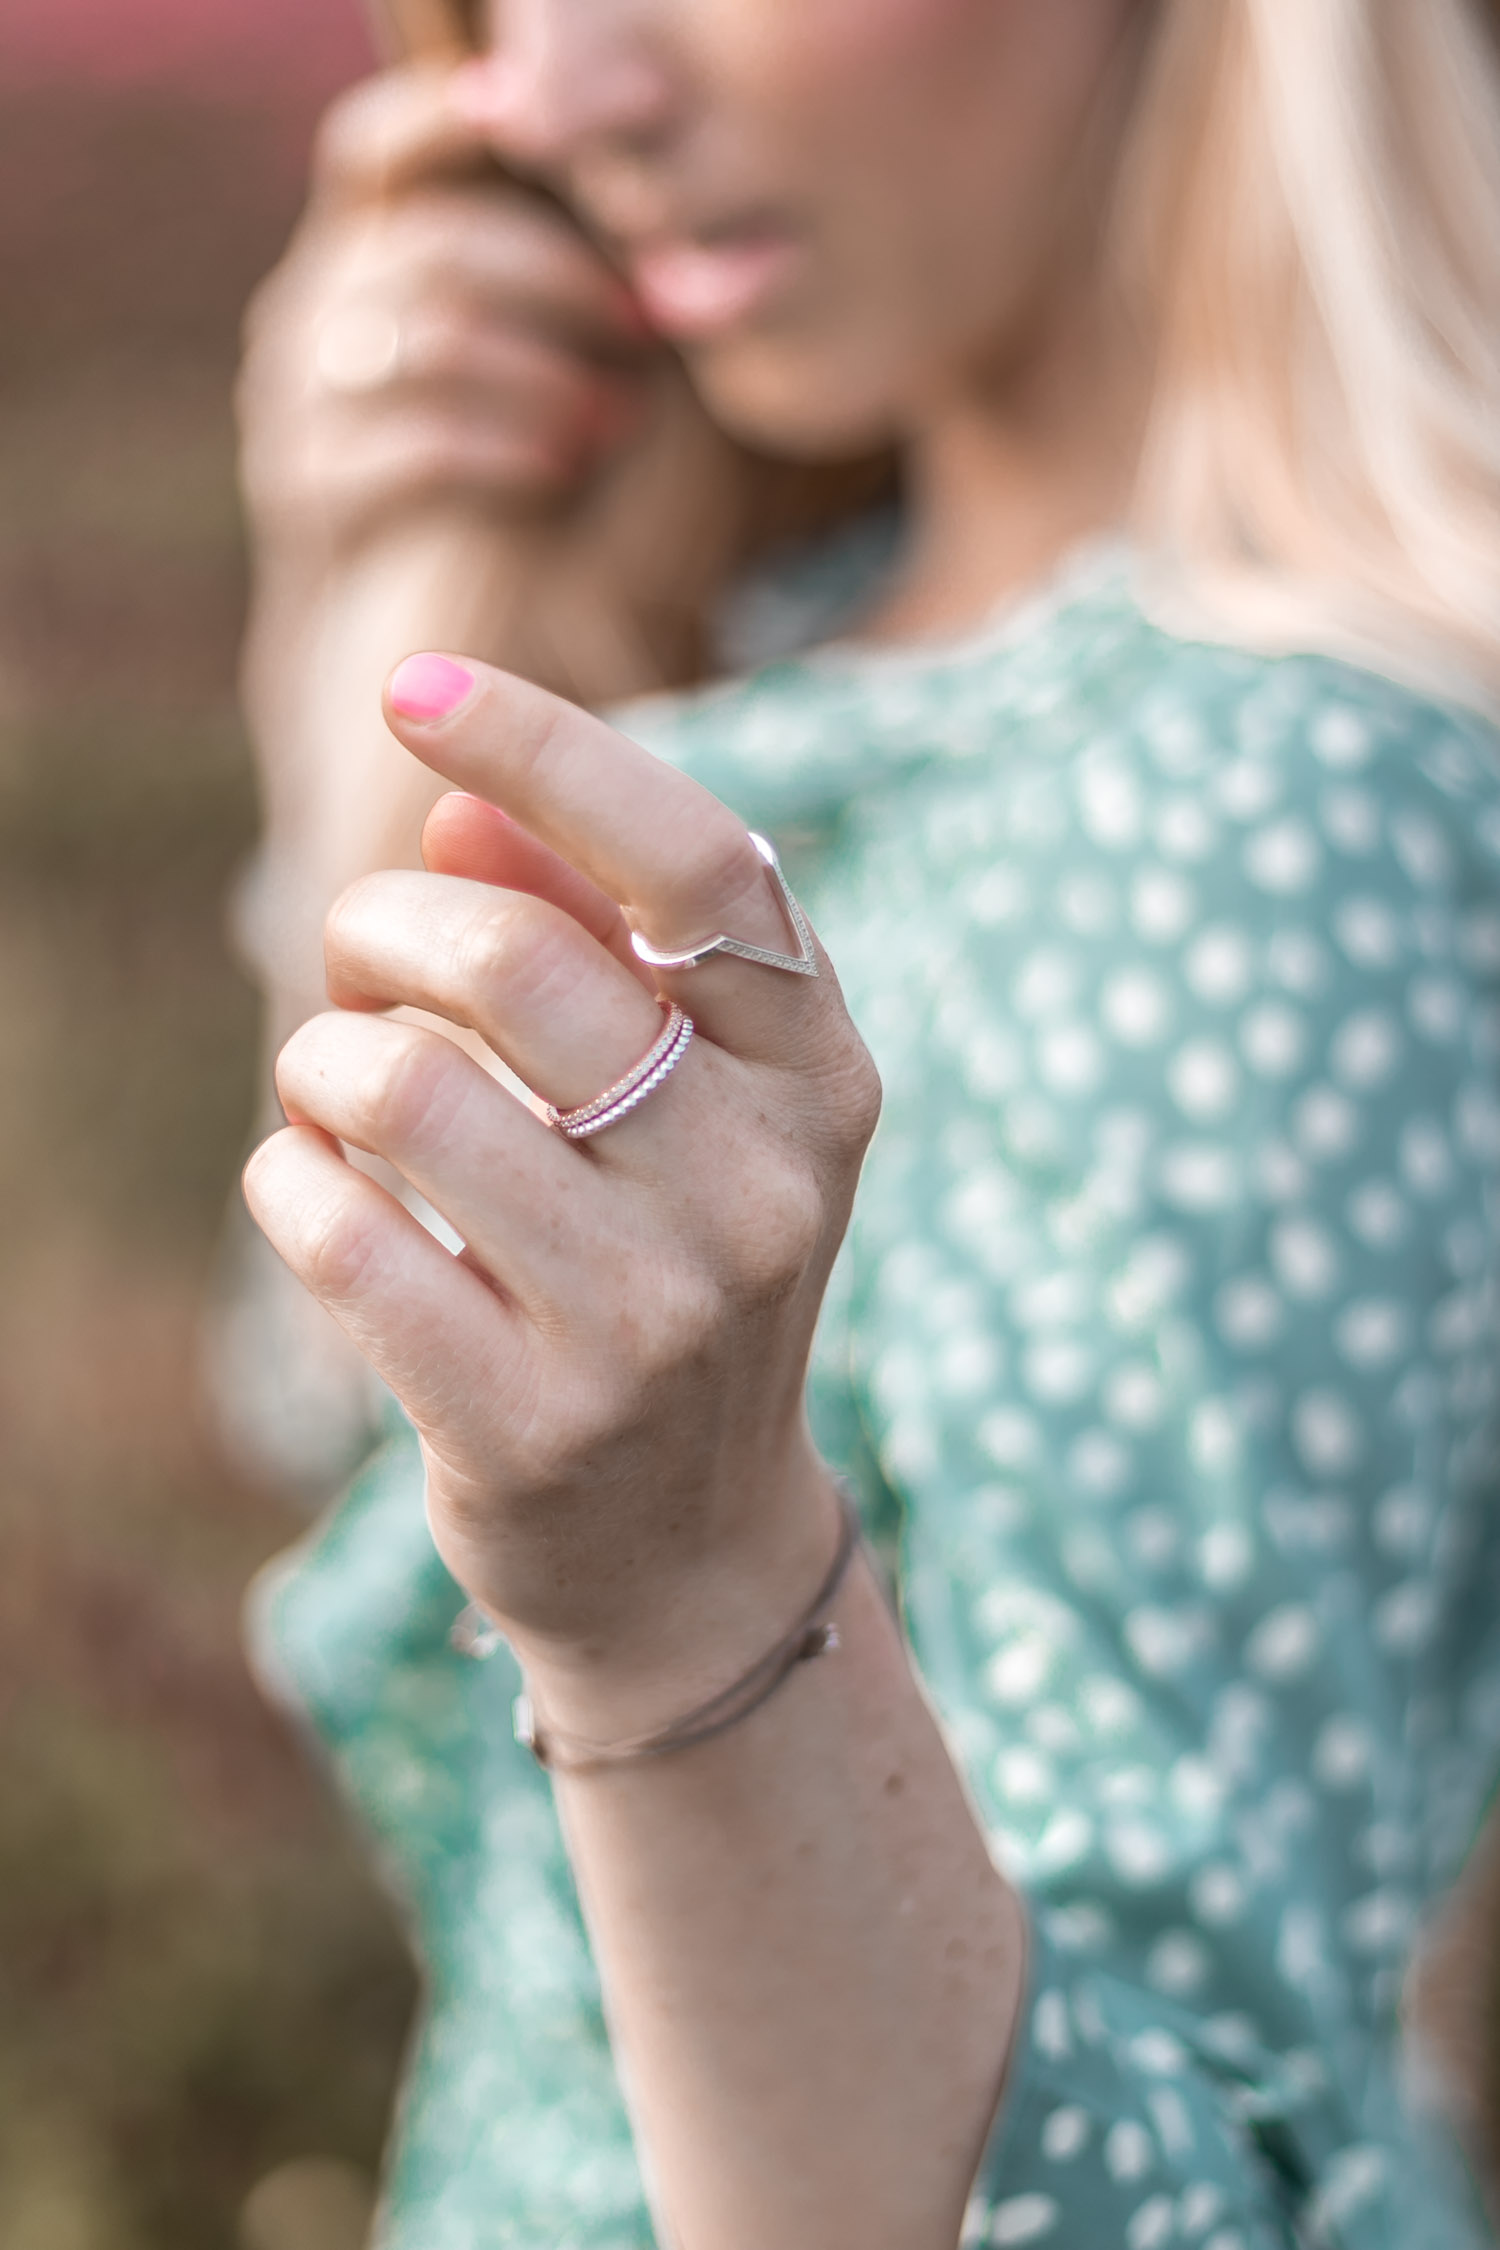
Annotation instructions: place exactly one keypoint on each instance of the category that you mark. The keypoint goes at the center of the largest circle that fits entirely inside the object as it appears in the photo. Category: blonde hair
(1310, 216)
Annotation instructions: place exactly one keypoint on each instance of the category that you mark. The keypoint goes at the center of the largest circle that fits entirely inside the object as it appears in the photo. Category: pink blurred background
(202, 1996)
(225, 46)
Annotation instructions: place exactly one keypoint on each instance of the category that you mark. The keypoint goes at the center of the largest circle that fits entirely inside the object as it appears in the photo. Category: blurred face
(840, 211)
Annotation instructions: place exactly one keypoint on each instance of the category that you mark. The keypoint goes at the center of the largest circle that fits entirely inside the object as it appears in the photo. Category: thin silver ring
(803, 963)
(627, 1093)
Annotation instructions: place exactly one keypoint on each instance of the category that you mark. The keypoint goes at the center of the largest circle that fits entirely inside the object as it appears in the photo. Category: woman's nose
(565, 75)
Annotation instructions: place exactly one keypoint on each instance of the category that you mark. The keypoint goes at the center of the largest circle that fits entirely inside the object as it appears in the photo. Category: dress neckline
(1088, 566)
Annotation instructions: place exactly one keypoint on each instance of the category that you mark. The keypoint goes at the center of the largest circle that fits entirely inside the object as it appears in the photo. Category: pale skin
(813, 1968)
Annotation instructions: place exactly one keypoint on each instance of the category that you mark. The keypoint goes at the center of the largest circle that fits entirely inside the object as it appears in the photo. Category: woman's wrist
(813, 1632)
(689, 1635)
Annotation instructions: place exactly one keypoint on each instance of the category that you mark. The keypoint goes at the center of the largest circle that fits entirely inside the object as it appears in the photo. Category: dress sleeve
(511, 2133)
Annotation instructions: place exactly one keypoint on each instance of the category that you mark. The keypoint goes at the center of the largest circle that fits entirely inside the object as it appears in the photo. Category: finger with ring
(802, 963)
(680, 863)
(495, 1172)
(568, 1017)
(452, 1350)
(617, 1101)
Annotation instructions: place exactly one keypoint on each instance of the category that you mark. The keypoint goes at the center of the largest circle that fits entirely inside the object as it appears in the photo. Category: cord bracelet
(812, 1635)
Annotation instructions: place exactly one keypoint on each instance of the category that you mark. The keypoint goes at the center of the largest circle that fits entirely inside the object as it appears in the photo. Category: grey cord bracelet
(811, 1636)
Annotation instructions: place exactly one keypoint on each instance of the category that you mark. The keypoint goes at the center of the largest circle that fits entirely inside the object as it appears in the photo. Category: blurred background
(202, 1998)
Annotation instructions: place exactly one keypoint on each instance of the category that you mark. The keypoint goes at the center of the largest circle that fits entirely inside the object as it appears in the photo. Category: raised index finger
(680, 863)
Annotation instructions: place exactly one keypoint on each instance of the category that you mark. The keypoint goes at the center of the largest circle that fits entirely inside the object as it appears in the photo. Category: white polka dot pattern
(1241, 1290)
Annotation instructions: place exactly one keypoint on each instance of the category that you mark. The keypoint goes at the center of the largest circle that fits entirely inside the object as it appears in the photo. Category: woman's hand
(608, 1383)
(608, 1386)
(435, 333)
(455, 432)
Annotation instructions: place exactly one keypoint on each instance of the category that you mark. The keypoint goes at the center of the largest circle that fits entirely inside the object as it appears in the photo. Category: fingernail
(429, 687)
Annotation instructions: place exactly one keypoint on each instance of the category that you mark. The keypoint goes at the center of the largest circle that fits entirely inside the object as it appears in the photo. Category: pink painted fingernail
(429, 687)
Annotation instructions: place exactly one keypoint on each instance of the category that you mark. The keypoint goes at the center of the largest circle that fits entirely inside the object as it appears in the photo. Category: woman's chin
(800, 405)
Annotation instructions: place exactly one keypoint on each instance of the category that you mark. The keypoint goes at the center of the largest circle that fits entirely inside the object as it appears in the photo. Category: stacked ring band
(628, 1092)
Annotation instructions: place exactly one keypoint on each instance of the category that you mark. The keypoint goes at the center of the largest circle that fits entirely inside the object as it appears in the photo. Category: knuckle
(338, 1249)
(538, 725)
(364, 912)
(523, 388)
(688, 1313)
(729, 862)
(428, 451)
(550, 1460)
(344, 918)
(856, 1097)
(438, 450)
(511, 955)
(389, 479)
(410, 1092)
(777, 1231)
(440, 346)
(484, 950)
(444, 241)
(720, 865)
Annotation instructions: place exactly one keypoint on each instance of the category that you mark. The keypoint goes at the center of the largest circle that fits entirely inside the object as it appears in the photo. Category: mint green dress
(1163, 1355)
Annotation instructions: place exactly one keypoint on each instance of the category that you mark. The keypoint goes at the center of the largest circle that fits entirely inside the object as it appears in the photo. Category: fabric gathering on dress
(1162, 1356)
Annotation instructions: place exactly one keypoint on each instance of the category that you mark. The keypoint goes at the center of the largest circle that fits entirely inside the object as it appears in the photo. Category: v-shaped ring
(800, 964)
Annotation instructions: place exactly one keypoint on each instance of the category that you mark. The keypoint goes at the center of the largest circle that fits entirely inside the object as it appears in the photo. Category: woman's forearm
(811, 1965)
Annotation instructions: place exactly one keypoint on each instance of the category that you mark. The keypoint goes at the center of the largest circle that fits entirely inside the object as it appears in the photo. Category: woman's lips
(696, 288)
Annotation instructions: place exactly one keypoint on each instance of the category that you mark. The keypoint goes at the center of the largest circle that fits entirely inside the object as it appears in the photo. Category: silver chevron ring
(627, 1093)
(803, 963)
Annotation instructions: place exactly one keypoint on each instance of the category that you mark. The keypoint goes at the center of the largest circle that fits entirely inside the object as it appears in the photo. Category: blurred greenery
(202, 1998)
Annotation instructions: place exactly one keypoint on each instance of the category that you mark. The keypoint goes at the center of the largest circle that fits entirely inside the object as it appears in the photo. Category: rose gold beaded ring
(627, 1093)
